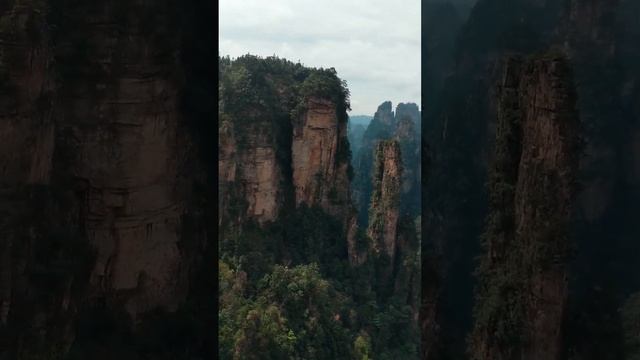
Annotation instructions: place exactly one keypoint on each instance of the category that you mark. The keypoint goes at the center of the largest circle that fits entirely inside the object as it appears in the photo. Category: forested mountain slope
(293, 260)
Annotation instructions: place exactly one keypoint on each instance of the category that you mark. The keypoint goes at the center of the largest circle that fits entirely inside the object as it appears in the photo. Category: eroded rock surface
(385, 210)
(98, 168)
(532, 193)
(251, 169)
(318, 158)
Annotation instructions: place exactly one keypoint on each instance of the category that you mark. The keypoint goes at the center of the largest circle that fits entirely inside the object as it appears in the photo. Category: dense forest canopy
(250, 81)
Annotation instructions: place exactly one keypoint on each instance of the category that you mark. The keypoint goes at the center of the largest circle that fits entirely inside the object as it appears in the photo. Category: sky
(373, 44)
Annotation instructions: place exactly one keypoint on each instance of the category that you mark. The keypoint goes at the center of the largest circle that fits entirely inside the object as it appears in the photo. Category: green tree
(295, 314)
(362, 347)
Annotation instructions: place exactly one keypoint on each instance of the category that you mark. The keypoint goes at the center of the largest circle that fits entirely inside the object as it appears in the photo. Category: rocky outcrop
(250, 175)
(379, 128)
(385, 201)
(384, 114)
(283, 146)
(121, 138)
(252, 181)
(408, 135)
(599, 38)
(319, 159)
(384, 126)
(460, 131)
(98, 169)
(546, 189)
(392, 235)
(406, 128)
(408, 110)
(522, 294)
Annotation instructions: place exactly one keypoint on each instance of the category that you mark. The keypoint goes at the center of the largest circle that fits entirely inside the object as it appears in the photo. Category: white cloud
(373, 44)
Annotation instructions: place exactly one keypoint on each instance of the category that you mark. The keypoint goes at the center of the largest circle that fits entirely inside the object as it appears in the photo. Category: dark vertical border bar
(199, 57)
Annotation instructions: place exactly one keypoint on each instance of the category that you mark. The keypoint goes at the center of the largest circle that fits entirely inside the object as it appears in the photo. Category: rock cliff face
(320, 172)
(599, 38)
(545, 190)
(120, 131)
(408, 136)
(252, 166)
(384, 114)
(460, 133)
(522, 302)
(406, 128)
(403, 126)
(385, 201)
(408, 110)
(283, 144)
(388, 172)
(379, 128)
(393, 235)
(252, 177)
(98, 168)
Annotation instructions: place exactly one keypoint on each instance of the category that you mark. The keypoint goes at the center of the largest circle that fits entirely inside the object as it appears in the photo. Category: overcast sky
(373, 44)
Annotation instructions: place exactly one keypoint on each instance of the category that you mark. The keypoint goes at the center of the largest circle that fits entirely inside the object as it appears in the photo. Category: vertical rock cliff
(384, 211)
(281, 154)
(522, 294)
(284, 146)
(402, 125)
(384, 114)
(599, 38)
(319, 150)
(99, 170)
(249, 162)
(123, 143)
(381, 127)
(410, 111)
(393, 235)
(407, 133)
(459, 132)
